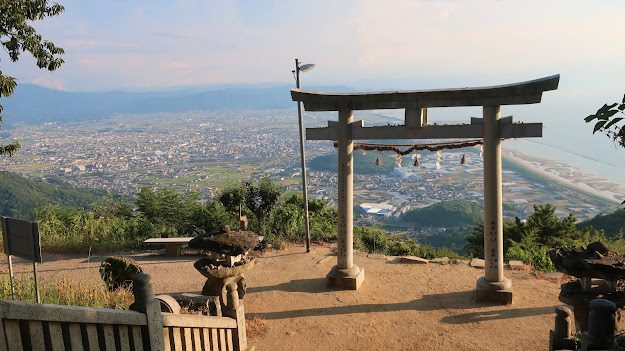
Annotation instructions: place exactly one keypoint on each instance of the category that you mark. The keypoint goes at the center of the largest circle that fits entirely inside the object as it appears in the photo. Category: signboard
(21, 239)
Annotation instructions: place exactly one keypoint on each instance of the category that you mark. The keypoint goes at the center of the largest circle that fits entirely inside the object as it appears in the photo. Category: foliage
(446, 214)
(20, 196)
(64, 231)
(378, 241)
(168, 211)
(612, 224)
(17, 36)
(608, 124)
(118, 272)
(258, 198)
(322, 218)
(528, 250)
(453, 239)
(212, 216)
(530, 240)
(67, 292)
(261, 198)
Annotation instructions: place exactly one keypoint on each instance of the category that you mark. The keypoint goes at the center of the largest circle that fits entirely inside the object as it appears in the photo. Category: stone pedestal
(346, 278)
(498, 292)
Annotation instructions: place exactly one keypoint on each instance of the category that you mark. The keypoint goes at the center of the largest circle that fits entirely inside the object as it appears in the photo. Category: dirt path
(399, 306)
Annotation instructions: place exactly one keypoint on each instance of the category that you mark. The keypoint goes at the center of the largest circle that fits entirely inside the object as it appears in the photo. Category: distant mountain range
(33, 104)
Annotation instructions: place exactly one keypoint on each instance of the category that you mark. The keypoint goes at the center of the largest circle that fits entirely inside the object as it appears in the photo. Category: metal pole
(303, 159)
(11, 275)
(36, 282)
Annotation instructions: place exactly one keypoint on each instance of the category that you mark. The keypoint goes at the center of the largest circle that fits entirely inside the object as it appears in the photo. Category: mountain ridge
(32, 104)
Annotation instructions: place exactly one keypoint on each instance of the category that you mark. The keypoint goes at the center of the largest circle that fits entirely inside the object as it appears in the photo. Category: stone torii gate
(492, 128)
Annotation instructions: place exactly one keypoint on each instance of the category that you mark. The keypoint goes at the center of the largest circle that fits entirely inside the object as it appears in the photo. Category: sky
(366, 44)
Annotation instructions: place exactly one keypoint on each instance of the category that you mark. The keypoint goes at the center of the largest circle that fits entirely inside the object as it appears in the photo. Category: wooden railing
(30, 326)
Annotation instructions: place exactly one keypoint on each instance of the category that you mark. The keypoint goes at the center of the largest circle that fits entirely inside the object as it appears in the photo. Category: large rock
(593, 262)
(226, 242)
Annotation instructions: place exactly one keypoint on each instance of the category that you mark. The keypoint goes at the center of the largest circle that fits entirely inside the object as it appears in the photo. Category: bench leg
(172, 249)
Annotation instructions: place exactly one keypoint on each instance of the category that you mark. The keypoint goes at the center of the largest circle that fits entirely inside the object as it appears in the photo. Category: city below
(204, 151)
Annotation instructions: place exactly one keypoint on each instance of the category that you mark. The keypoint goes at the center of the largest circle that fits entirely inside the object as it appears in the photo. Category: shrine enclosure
(493, 286)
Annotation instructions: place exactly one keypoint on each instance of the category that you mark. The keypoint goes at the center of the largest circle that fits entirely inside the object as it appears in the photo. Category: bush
(378, 241)
(118, 272)
(528, 250)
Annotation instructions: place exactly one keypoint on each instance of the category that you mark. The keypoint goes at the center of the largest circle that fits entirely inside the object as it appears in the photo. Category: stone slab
(477, 263)
(347, 282)
(458, 261)
(413, 259)
(516, 265)
(376, 256)
(173, 246)
(440, 260)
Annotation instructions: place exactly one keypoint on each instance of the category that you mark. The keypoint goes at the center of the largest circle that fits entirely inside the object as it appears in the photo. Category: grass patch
(67, 292)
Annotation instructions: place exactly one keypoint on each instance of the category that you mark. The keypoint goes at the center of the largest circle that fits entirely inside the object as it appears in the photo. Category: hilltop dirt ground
(399, 306)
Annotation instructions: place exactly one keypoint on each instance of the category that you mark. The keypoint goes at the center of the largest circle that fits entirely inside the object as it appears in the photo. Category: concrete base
(173, 250)
(350, 279)
(498, 292)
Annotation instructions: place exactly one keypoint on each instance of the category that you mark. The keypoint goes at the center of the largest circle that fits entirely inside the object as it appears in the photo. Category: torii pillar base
(350, 278)
(497, 292)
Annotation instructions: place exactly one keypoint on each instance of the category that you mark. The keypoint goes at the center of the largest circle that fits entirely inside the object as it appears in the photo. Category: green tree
(232, 196)
(475, 239)
(261, 198)
(212, 216)
(18, 36)
(608, 124)
(169, 210)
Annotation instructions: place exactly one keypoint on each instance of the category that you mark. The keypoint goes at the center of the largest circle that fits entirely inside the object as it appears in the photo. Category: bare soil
(400, 306)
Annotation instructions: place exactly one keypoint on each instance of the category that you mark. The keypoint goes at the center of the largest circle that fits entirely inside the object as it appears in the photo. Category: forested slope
(612, 224)
(19, 195)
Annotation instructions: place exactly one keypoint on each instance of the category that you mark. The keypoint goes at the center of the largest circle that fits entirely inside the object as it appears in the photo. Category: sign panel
(21, 239)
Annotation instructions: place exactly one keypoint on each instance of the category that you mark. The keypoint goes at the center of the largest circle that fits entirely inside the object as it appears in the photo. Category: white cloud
(46, 81)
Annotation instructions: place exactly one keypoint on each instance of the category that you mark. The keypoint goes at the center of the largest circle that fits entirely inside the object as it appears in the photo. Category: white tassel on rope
(398, 160)
(415, 157)
(438, 159)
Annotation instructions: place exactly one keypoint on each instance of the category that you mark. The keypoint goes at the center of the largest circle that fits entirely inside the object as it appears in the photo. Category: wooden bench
(30, 326)
(173, 246)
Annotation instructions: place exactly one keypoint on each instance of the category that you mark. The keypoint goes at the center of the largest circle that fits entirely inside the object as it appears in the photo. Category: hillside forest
(84, 221)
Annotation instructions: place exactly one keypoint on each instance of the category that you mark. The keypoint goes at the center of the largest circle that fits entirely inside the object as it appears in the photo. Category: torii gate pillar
(493, 286)
(345, 274)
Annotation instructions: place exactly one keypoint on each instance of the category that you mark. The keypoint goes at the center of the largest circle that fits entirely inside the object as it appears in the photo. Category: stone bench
(173, 246)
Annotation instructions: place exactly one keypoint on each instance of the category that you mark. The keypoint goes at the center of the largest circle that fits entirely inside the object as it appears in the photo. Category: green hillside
(19, 195)
(611, 224)
(446, 214)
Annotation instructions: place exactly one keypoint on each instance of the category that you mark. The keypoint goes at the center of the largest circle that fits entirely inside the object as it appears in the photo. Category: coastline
(568, 176)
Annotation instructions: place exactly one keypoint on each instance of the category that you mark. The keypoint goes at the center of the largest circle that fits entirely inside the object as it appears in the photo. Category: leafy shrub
(118, 272)
(528, 250)
(378, 241)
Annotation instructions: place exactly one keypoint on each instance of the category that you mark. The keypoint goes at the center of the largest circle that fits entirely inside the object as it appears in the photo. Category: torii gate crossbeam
(493, 286)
